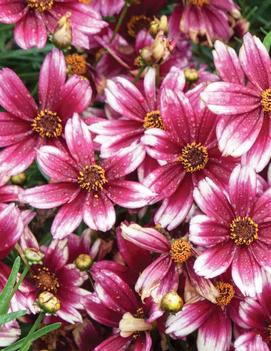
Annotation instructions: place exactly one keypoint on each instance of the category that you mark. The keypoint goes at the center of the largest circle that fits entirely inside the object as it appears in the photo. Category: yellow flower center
(243, 230)
(198, 2)
(40, 5)
(266, 100)
(137, 23)
(76, 64)
(194, 157)
(180, 251)
(45, 280)
(153, 119)
(92, 178)
(48, 124)
(226, 293)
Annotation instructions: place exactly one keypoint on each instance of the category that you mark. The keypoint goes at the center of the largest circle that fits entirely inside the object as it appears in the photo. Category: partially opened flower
(234, 230)
(58, 279)
(85, 188)
(188, 146)
(212, 320)
(115, 305)
(243, 100)
(26, 126)
(208, 20)
(34, 19)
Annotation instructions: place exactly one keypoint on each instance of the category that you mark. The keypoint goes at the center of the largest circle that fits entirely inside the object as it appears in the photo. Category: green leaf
(267, 41)
(5, 318)
(38, 334)
(6, 293)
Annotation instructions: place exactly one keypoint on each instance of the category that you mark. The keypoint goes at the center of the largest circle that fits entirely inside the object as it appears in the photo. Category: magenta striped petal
(230, 98)
(227, 63)
(255, 61)
(143, 343)
(68, 217)
(57, 164)
(79, 141)
(189, 319)
(10, 193)
(160, 146)
(216, 260)
(99, 212)
(246, 272)
(178, 115)
(52, 79)
(213, 202)
(11, 12)
(150, 88)
(250, 341)
(75, 96)
(262, 208)
(215, 333)
(114, 343)
(174, 80)
(13, 129)
(175, 208)
(9, 332)
(115, 292)
(126, 99)
(242, 190)
(14, 97)
(205, 231)
(50, 195)
(146, 238)
(30, 31)
(129, 194)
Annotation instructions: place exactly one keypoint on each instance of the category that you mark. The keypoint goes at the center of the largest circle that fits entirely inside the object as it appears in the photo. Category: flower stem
(120, 20)
(34, 327)
(137, 77)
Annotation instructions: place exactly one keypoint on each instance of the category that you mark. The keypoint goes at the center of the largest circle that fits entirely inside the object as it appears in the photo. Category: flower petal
(99, 212)
(79, 141)
(246, 272)
(230, 98)
(129, 194)
(13, 129)
(52, 79)
(215, 261)
(11, 12)
(250, 341)
(50, 195)
(114, 343)
(30, 31)
(14, 97)
(255, 61)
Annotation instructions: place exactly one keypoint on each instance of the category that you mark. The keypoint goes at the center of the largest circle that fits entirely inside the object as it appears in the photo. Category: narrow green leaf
(38, 334)
(5, 318)
(6, 293)
(267, 41)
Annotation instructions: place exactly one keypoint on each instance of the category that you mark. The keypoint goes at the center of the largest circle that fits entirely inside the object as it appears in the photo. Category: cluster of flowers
(156, 177)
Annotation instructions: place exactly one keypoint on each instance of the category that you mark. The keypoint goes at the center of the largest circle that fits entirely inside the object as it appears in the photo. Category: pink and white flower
(234, 230)
(34, 19)
(189, 147)
(255, 315)
(208, 20)
(243, 100)
(84, 188)
(26, 126)
(115, 305)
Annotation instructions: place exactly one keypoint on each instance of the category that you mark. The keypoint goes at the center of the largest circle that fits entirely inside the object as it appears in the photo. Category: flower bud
(159, 25)
(48, 302)
(83, 262)
(33, 256)
(18, 179)
(172, 302)
(191, 74)
(62, 36)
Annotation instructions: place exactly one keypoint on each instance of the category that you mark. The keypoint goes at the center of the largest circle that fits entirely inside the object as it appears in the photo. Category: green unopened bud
(172, 302)
(191, 74)
(48, 302)
(18, 179)
(62, 36)
(83, 262)
(33, 256)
